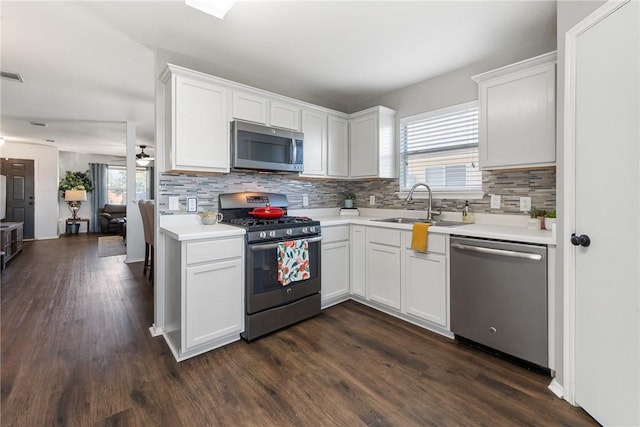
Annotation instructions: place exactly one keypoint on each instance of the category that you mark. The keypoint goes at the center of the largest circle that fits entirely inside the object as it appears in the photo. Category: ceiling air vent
(40, 124)
(12, 76)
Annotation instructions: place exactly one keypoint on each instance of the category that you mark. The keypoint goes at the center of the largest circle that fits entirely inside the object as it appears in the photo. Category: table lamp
(74, 199)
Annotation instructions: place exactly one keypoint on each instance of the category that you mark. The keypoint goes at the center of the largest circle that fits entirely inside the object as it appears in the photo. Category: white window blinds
(441, 148)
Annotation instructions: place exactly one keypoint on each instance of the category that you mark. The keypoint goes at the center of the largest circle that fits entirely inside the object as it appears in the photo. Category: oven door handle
(275, 245)
(502, 252)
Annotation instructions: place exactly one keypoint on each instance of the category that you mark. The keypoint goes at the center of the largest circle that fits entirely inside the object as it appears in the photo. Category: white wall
(46, 184)
(451, 88)
(70, 161)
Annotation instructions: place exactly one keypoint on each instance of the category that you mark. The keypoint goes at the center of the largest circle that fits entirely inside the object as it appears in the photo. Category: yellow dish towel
(420, 236)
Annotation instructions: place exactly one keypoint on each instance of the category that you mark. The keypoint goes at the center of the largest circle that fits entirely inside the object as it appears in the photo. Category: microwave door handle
(294, 150)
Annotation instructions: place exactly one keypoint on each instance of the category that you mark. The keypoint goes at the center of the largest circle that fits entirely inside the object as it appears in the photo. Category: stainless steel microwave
(264, 148)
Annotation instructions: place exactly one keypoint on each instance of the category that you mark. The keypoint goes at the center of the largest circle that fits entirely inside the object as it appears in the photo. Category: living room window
(441, 148)
(117, 184)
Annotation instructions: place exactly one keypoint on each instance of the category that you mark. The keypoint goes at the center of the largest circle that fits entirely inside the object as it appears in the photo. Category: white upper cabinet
(285, 115)
(249, 107)
(337, 147)
(372, 144)
(197, 109)
(314, 127)
(518, 114)
(196, 121)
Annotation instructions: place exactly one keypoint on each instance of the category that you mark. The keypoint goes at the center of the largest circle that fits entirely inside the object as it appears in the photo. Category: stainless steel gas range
(274, 248)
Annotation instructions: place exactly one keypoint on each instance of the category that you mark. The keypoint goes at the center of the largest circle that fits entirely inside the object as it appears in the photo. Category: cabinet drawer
(383, 236)
(335, 234)
(211, 250)
(436, 243)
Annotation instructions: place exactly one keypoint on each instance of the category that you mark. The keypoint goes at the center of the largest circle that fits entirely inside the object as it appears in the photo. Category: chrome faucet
(410, 196)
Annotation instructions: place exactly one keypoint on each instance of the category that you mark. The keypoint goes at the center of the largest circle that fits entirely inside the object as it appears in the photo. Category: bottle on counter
(467, 215)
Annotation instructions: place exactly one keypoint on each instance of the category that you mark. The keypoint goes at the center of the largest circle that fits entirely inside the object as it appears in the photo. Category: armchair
(110, 217)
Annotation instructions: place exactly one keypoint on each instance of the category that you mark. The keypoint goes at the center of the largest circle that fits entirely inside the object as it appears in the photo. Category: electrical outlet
(495, 201)
(525, 204)
(192, 204)
(372, 200)
(174, 203)
(305, 200)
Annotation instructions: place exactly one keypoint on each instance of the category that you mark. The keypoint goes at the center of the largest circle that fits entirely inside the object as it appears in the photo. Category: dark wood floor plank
(76, 351)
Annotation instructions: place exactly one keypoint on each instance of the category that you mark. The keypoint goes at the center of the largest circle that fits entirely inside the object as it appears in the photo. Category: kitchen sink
(403, 220)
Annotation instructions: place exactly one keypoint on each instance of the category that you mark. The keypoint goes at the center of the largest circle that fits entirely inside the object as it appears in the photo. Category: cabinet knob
(493, 330)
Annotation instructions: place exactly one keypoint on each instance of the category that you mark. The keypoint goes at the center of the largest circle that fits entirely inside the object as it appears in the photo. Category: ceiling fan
(143, 159)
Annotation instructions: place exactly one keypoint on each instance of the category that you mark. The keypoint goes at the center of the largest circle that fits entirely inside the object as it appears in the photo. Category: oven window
(265, 269)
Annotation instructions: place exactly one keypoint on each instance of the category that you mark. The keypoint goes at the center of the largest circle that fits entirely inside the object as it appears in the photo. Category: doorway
(20, 193)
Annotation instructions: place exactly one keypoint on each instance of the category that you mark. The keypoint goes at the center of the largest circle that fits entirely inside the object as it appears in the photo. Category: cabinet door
(383, 274)
(426, 286)
(200, 126)
(249, 107)
(358, 261)
(518, 115)
(213, 306)
(285, 115)
(338, 147)
(314, 127)
(363, 153)
(335, 270)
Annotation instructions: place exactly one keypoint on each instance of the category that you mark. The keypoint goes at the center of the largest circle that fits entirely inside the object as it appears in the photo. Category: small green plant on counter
(551, 214)
(537, 213)
(349, 196)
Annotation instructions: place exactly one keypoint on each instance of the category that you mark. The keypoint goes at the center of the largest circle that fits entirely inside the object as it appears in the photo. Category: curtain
(99, 193)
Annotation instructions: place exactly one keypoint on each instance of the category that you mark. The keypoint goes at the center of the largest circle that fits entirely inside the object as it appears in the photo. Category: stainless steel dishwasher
(499, 296)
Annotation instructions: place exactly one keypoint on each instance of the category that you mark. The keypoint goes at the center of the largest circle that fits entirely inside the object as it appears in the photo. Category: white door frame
(569, 251)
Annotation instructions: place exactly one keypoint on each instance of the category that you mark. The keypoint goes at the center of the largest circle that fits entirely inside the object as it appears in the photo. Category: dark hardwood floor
(76, 351)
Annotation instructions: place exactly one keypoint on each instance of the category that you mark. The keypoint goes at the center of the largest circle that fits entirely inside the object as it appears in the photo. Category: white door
(606, 90)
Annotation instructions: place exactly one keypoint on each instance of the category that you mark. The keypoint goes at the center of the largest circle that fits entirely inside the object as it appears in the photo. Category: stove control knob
(263, 235)
(305, 230)
(272, 233)
(289, 232)
(312, 229)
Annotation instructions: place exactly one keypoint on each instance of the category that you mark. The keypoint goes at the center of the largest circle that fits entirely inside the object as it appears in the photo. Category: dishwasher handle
(501, 252)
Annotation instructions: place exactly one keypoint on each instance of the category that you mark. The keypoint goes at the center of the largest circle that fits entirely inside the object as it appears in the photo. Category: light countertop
(186, 227)
(189, 227)
(488, 231)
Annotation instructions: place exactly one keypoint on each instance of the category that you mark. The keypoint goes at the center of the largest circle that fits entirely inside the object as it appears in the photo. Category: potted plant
(550, 219)
(74, 188)
(348, 200)
(535, 223)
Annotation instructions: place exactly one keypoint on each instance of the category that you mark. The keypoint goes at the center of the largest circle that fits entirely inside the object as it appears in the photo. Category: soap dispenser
(467, 216)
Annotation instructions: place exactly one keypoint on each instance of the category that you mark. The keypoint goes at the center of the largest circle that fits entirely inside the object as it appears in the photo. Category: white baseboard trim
(155, 332)
(556, 388)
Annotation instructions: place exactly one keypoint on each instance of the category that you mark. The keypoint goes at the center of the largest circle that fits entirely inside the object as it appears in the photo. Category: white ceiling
(88, 66)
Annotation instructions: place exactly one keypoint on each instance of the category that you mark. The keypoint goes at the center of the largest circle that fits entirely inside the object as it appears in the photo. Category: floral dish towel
(293, 261)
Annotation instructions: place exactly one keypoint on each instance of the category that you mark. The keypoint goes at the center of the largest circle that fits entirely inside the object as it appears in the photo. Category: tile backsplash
(539, 184)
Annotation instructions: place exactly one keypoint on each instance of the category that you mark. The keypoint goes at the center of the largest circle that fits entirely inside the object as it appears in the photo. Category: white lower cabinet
(358, 260)
(204, 294)
(335, 265)
(383, 266)
(211, 301)
(425, 281)
(387, 274)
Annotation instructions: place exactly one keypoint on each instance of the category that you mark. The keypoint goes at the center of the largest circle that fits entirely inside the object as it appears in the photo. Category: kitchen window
(441, 148)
